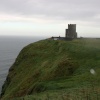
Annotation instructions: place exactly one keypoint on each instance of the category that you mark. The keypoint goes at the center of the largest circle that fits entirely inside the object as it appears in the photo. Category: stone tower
(71, 31)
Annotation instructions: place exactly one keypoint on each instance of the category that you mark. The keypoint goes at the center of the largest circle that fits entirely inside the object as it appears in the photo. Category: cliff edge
(49, 65)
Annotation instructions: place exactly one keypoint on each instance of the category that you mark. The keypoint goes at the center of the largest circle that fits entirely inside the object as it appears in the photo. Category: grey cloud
(61, 9)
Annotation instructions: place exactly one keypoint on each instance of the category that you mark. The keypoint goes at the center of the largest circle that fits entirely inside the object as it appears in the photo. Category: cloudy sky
(49, 17)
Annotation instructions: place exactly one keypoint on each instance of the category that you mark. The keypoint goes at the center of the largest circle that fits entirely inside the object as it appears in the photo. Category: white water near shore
(9, 49)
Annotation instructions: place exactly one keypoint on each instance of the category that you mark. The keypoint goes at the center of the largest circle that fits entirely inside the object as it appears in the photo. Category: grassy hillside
(55, 70)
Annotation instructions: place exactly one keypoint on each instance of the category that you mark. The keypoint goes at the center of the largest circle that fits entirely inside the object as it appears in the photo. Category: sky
(49, 17)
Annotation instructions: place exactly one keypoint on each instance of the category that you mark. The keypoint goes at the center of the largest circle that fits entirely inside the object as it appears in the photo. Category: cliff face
(43, 62)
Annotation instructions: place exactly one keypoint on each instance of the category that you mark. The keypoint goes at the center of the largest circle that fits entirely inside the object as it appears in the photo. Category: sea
(10, 46)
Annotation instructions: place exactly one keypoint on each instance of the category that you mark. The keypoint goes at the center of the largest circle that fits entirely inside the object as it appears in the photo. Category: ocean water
(9, 49)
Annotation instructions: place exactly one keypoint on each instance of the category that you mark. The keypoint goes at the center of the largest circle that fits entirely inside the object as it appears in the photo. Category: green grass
(48, 70)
